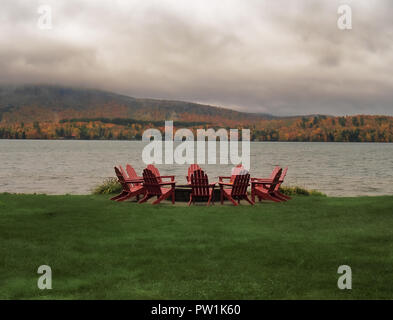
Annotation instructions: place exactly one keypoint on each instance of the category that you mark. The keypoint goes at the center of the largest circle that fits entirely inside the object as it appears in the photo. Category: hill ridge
(71, 102)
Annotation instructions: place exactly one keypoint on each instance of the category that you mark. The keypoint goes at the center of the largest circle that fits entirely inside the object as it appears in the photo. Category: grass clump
(108, 186)
(292, 191)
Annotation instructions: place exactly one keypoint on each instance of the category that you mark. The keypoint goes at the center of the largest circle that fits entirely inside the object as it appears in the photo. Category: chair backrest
(151, 183)
(283, 174)
(235, 171)
(191, 169)
(122, 178)
(123, 172)
(274, 172)
(131, 173)
(276, 179)
(155, 171)
(199, 183)
(240, 185)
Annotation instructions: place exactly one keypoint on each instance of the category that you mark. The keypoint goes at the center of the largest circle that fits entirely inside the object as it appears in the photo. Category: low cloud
(258, 56)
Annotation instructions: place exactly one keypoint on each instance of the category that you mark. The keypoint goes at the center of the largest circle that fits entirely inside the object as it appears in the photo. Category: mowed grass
(99, 249)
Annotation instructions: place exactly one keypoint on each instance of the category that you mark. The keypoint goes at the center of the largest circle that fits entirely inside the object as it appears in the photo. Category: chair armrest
(167, 183)
(260, 182)
(262, 179)
(167, 177)
(225, 184)
(133, 180)
(220, 178)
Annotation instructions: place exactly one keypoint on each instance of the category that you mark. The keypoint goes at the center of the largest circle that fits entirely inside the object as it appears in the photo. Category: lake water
(75, 167)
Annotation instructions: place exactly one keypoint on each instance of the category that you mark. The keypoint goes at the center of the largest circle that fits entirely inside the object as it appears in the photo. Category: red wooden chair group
(152, 184)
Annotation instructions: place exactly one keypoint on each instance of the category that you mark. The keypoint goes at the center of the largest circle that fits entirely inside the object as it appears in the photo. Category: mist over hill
(53, 103)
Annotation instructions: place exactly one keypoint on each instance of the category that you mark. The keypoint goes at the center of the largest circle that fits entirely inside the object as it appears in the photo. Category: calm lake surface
(75, 167)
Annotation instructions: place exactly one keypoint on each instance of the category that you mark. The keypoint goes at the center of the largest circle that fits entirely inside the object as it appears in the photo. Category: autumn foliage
(360, 128)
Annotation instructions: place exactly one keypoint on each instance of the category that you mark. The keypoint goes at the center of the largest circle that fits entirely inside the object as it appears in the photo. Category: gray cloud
(262, 56)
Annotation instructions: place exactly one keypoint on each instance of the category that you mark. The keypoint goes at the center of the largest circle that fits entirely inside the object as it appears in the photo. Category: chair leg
(145, 198)
(208, 201)
(163, 197)
(232, 200)
(126, 197)
(121, 195)
(189, 202)
(267, 196)
(279, 197)
(283, 195)
(222, 196)
(249, 201)
(159, 199)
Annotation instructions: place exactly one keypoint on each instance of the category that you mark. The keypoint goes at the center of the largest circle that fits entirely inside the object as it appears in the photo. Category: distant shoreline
(290, 141)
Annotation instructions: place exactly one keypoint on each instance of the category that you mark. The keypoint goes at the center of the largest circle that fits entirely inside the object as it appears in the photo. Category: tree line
(316, 128)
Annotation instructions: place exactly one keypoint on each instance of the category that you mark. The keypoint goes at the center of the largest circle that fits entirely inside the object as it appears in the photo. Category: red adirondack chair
(265, 188)
(235, 171)
(130, 187)
(155, 171)
(276, 191)
(132, 174)
(238, 190)
(191, 169)
(200, 186)
(155, 188)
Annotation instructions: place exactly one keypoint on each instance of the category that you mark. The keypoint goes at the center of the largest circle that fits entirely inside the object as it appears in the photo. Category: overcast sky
(278, 56)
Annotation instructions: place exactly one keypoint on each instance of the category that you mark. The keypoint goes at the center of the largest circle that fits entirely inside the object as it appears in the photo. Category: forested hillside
(47, 112)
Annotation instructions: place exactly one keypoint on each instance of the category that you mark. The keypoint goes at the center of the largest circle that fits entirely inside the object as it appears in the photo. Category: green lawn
(99, 249)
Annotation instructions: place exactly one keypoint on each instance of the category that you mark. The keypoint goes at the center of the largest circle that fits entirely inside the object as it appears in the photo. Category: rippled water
(75, 167)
